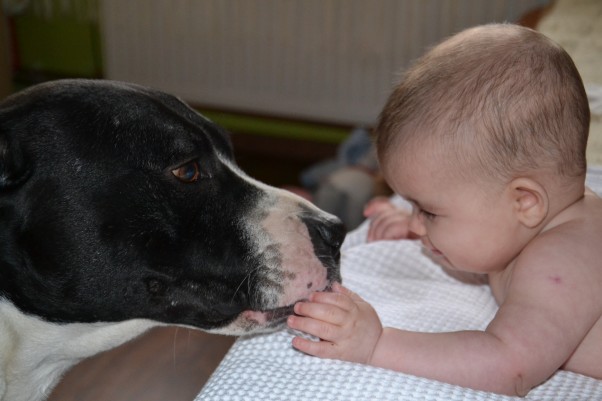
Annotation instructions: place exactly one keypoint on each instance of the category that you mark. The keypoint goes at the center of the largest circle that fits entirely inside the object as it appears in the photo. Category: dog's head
(120, 202)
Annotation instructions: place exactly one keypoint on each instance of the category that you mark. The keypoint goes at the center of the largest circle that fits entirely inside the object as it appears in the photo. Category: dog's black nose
(332, 233)
(326, 236)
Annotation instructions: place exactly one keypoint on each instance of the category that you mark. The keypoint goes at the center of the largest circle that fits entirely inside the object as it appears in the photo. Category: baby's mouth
(432, 252)
(436, 252)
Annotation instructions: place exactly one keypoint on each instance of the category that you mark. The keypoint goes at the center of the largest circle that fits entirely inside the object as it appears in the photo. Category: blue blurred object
(356, 150)
(343, 185)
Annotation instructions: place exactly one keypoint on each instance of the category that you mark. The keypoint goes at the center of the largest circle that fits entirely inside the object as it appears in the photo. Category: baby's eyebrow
(414, 202)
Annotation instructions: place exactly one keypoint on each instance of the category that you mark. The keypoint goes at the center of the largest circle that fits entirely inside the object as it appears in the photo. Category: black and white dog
(121, 208)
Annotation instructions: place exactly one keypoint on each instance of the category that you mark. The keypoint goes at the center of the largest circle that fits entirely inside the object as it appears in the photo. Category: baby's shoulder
(571, 242)
(581, 221)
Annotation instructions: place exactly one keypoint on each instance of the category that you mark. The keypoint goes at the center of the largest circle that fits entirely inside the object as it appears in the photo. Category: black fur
(95, 227)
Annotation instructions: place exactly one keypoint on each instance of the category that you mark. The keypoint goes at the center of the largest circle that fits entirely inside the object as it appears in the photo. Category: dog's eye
(188, 172)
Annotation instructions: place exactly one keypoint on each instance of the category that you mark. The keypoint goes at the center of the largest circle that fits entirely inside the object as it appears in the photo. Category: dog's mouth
(280, 313)
(267, 319)
(275, 316)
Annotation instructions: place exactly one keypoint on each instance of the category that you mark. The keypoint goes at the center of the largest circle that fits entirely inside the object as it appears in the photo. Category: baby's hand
(348, 327)
(387, 221)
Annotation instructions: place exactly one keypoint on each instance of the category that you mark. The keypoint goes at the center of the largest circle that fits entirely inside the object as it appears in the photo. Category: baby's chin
(463, 275)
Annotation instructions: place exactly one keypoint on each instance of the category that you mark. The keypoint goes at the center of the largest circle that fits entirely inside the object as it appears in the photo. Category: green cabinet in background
(56, 38)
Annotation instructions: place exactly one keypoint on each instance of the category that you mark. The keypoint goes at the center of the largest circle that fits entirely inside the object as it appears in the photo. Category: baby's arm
(535, 331)
(350, 330)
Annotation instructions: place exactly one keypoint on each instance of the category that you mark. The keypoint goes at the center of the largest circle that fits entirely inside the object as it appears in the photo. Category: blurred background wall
(322, 60)
(331, 61)
(290, 79)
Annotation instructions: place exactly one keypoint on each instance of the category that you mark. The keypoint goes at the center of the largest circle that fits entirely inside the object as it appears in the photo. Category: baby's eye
(427, 215)
(188, 172)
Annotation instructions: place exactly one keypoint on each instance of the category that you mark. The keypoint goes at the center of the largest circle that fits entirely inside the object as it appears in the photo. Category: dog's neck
(34, 354)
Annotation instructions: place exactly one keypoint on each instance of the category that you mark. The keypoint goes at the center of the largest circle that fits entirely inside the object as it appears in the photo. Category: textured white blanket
(409, 292)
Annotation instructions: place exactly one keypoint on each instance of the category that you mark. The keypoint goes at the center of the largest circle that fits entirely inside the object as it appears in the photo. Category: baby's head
(495, 101)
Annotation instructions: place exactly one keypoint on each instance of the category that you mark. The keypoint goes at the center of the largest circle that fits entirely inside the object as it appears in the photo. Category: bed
(410, 292)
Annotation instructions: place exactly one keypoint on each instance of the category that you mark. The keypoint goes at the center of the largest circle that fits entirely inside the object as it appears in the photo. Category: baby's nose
(416, 225)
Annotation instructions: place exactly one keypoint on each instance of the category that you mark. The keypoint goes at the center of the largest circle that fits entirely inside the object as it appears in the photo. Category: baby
(485, 136)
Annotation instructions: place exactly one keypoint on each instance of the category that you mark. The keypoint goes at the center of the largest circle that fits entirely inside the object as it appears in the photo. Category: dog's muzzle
(327, 237)
(298, 247)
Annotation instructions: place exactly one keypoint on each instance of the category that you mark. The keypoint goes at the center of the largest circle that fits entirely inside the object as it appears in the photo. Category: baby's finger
(378, 225)
(376, 205)
(394, 230)
(317, 328)
(346, 291)
(334, 298)
(320, 311)
(390, 225)
(322, 349)
(374, 228)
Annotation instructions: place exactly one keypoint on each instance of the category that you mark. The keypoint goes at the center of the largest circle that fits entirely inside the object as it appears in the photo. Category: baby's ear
(530, 201)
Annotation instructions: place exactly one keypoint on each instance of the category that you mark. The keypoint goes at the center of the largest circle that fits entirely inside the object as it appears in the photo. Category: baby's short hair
(502, 96)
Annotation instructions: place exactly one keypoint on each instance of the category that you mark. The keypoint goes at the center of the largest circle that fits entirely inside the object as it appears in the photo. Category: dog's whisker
(247, 279)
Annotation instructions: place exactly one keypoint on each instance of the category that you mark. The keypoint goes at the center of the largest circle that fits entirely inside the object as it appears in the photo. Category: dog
(122, 208)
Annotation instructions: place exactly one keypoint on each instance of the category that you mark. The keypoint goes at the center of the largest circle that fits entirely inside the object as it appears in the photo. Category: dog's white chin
(255, 322)
(268, 317)
(264, 321)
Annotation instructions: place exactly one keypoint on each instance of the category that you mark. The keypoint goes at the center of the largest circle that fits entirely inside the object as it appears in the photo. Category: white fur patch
(292, 271)
(34, 354)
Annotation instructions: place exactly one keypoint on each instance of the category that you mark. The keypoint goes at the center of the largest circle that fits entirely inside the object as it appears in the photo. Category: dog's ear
(14, 168)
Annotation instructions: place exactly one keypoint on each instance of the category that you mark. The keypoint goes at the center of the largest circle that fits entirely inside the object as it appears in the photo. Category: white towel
(409, 292)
